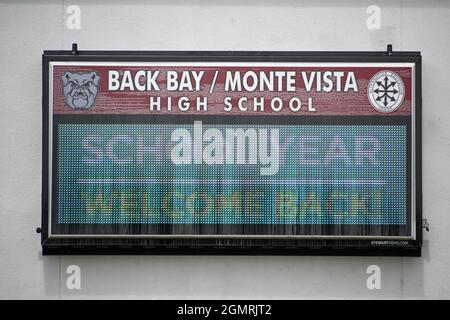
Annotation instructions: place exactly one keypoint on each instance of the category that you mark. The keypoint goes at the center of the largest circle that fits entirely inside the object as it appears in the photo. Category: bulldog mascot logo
(80, 89)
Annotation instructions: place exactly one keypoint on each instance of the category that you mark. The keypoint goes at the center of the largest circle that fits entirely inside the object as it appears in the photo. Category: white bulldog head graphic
(80, 89)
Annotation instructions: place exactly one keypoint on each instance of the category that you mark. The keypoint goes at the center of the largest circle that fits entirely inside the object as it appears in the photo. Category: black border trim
(319, 247)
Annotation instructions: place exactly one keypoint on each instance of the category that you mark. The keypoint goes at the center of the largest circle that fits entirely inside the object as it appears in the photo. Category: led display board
(231, 152)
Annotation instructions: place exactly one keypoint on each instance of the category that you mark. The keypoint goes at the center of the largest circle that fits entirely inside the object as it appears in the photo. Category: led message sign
(203, 152)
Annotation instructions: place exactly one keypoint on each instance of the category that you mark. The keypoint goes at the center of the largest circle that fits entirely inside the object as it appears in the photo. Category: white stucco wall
(29, 27)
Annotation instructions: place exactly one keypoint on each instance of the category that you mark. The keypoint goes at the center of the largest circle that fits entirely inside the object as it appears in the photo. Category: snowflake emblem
(386, 91)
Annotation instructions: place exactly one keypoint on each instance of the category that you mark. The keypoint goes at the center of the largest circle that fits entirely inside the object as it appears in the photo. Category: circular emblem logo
(386, 91)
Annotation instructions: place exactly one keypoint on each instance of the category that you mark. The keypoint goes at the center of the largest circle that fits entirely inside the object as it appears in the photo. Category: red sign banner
(224, 88)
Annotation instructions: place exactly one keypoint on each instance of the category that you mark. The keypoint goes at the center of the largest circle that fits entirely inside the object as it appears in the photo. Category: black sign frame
(182, 246)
